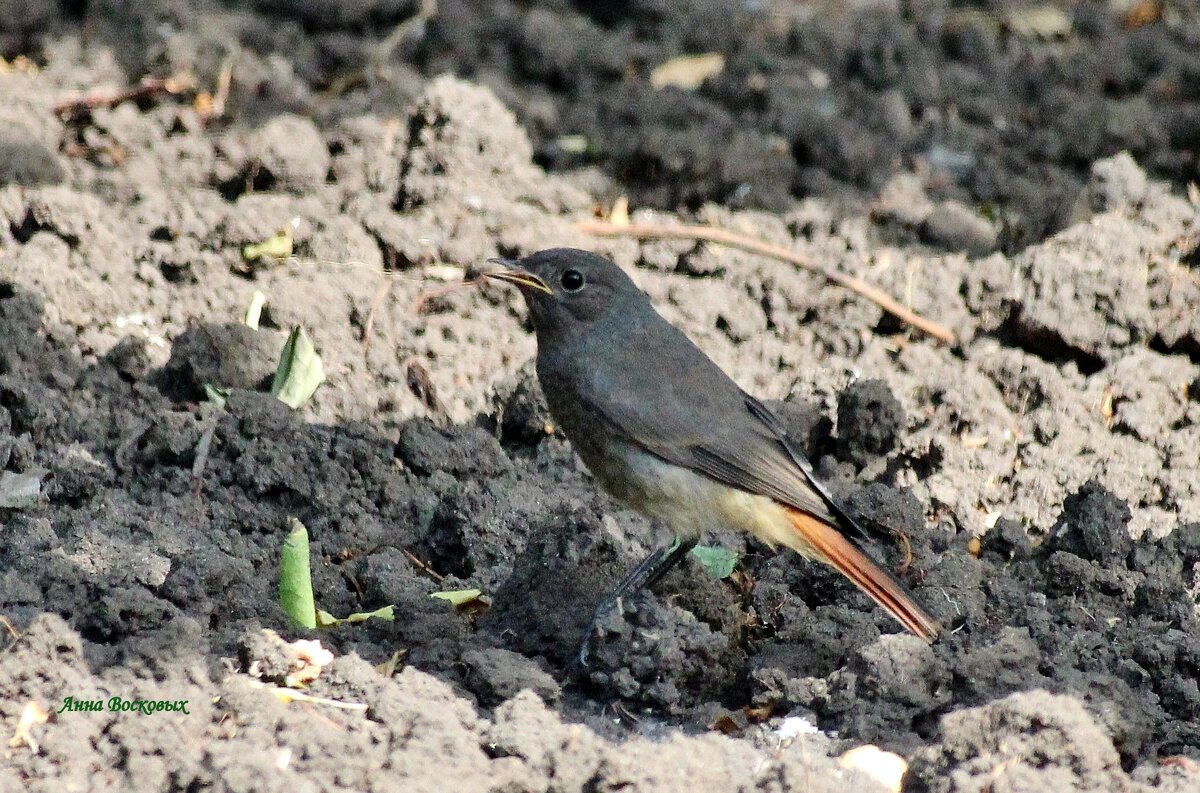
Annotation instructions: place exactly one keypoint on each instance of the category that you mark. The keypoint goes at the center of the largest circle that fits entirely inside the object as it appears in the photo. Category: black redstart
(665, 431)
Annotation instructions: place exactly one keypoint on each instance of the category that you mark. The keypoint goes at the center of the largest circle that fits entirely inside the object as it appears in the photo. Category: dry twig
(902, 568)
(424, 299)
(376, 303)
(212, 106)
(747, 243)
(412, 557)
(149, 86)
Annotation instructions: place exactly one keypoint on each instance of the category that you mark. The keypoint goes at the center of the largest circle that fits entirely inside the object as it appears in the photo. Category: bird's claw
(585, 646)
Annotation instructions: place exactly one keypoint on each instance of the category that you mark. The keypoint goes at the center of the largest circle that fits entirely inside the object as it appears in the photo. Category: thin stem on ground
(736, 239)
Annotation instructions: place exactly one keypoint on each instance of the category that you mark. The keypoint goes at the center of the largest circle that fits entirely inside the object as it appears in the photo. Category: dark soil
(989, 105)
(1043, 470)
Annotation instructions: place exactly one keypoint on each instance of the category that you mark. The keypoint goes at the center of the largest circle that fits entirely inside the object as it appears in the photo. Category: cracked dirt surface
(1061, 431)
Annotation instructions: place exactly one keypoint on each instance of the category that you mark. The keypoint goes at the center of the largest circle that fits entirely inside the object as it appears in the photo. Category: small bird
(666, 432)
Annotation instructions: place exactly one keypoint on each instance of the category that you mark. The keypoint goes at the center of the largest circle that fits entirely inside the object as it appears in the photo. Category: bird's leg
(645, 575)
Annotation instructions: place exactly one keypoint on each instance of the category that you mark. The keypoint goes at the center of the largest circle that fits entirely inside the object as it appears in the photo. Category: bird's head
(567, 289)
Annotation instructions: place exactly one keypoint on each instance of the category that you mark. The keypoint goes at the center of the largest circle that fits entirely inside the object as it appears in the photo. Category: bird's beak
(519, 278)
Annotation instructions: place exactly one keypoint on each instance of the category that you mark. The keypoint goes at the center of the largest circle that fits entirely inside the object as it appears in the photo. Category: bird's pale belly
(687, 502)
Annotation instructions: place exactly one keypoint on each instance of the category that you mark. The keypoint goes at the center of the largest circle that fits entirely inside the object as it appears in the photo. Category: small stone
(887, 768)
(1116, 182)
(292, 152)
(497, 675)
(955, 226)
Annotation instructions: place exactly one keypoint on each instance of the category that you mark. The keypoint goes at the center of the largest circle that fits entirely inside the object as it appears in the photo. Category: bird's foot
(593, 627)
(585, 648)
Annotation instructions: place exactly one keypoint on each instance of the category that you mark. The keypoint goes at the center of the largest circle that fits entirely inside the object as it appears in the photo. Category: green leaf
(295, 578)
(254, 311)
(386, 613)
(327, 620)
(459, 597)
(719, 562)
(276, 247)
(299, 372)
(216, 394)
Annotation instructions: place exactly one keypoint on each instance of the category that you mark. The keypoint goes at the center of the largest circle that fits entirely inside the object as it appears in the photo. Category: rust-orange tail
(825, 543)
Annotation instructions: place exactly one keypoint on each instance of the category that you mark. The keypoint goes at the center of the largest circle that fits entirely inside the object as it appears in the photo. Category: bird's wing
(724, 434)
(779, 431)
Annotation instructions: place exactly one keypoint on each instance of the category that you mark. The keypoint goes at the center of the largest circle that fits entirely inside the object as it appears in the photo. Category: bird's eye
(572, 280)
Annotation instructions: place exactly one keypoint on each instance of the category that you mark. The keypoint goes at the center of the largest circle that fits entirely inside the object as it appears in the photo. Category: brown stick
(412, 557)
(105, 98)
(224, 84)
(376, 303)
(8, 626)
(737, 240)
